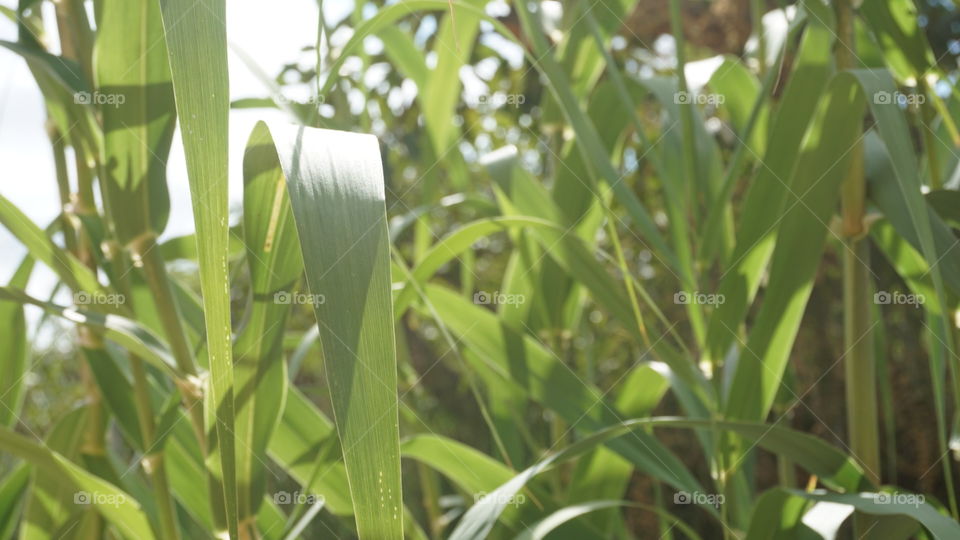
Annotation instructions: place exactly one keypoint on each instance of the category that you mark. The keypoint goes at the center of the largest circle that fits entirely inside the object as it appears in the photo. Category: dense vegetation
(623, 269)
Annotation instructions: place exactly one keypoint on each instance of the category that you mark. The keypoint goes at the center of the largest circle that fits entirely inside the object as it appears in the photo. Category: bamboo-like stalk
(153, 460)
(147, 254)
(860, 375)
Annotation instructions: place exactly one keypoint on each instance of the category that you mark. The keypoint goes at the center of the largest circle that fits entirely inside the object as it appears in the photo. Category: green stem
(859, 360)
(147, 252)
(154, 462)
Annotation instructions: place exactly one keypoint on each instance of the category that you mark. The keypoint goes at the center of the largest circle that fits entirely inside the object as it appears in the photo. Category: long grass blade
(197, 43)
(335, 181)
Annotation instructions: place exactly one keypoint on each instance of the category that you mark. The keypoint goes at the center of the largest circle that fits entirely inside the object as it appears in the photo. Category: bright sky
(271, 36)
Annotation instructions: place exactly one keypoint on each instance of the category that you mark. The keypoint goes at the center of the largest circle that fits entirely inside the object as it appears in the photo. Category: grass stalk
(860, 376)
(147, 253)
(153, 459)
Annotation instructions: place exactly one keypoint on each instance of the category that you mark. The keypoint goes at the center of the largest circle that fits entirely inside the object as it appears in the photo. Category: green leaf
(14, 349)
(124, 331)
(335, 181)
(769, 190)
(831, 465)
(275, 266)
(197, 44)
(138, 118)
(524, 363)
(117, 506)
(543, 527)
(904, 43)
(800, 240)
(63, 70)
(13, 496)
(891, 504)
(67, 267)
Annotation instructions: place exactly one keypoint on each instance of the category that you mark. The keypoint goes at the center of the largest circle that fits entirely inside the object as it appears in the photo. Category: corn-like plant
(575, 293)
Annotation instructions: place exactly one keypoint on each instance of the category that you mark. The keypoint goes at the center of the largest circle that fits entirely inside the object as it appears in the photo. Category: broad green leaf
(800, 241)
(275, 265)
(769, 190)
(138, 117)
(197, 44)
(303, 442)
(336, 188)
(903, 40)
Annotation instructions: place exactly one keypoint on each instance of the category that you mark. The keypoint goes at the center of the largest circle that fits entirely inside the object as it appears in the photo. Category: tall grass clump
(512, 270)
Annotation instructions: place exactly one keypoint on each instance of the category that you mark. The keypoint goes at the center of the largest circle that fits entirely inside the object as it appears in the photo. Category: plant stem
(859, 362)
(147, 252)
(153, 459)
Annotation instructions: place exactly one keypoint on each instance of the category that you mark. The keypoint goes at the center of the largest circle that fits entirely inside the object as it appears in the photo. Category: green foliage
(568, 281)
